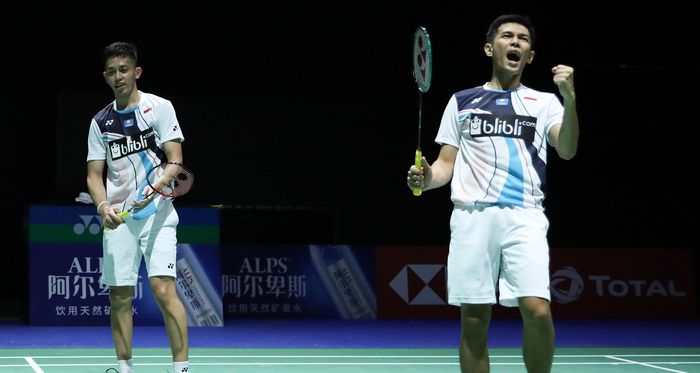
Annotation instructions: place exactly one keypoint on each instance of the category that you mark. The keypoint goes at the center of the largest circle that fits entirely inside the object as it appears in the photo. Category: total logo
(567, 286)
(421, 284)
(89, 223)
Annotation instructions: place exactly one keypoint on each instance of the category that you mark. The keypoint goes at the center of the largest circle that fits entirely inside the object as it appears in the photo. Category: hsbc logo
(421, 284)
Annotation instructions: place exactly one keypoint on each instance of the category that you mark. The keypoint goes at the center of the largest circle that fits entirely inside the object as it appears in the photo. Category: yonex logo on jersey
(476, 100)
(109, 122)
(515, 126)
(132, 144)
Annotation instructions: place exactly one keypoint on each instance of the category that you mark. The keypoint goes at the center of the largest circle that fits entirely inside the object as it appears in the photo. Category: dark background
(301, 121)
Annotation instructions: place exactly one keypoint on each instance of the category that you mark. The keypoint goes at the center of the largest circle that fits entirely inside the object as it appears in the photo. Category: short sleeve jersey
(131, 141)
(501, 137)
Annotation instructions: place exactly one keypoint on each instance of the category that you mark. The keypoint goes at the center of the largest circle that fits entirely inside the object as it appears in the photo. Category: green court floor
(346, 360)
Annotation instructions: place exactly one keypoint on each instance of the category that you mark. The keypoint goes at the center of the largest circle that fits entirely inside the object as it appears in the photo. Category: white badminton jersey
(501, 137)
(131, 143)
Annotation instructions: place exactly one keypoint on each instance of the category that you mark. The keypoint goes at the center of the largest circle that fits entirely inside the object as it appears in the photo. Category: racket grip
(419, 164)
(122, 215)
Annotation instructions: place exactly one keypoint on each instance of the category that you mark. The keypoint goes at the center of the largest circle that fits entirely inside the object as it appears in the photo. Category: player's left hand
(149, 195)
(564, 79)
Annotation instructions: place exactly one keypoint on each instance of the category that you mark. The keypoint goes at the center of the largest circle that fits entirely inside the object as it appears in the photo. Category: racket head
(422, 59)
(170, 179)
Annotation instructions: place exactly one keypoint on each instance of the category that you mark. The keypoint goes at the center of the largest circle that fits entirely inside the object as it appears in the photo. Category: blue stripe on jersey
(150, 209)
(146, 161)
(147, 167)
(512, 192)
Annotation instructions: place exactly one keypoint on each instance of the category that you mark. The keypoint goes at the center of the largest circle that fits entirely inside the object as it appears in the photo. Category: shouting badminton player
(494, 151)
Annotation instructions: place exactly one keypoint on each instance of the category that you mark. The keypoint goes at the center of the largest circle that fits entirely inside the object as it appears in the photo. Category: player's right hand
(110, 217)
(419, 178)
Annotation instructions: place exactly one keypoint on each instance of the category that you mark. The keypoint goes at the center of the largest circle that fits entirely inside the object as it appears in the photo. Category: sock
(126, 366)
(181, 366)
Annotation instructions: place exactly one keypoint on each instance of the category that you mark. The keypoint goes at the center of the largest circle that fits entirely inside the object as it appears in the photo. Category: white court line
(314, 364)
(647, 364)
(253, 363)
(251, 357)
(335, 356)
(407, 362)
(34, 365)
(637, 355)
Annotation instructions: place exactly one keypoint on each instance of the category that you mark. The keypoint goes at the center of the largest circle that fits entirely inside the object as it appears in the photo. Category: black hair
(510, 18)
(121, 49)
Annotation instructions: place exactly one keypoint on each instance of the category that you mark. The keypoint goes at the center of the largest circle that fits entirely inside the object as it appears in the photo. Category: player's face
(121, 75)
(511, 49)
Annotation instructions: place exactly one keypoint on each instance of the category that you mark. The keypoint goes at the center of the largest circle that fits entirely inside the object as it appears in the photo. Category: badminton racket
(422, 74)
(170, 180)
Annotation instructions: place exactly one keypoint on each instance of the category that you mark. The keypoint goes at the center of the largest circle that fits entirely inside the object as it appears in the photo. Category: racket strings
(182, 182)
(422, 70)
(177, 182)
(422, 59)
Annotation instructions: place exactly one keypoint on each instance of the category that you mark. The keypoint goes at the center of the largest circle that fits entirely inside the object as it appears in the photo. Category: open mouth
(513, 57)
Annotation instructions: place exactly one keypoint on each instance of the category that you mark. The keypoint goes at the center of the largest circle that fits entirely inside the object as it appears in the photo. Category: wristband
(100, 206)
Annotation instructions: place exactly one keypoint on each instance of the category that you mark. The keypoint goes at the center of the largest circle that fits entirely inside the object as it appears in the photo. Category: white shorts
(153, 238)
(497, 245)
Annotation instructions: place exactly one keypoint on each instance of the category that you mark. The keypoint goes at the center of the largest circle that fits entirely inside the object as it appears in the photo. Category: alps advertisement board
(298, 281)
(65, 261)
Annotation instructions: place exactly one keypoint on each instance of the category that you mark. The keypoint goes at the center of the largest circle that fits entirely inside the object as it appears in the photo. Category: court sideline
(318, 345)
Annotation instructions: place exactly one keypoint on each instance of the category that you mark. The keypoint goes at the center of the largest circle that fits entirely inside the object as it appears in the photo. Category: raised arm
(564, 136)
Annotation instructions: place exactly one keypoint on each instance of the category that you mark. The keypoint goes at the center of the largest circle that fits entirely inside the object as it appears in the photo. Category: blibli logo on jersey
(128, 123)
(516, 126)
(132, 144)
